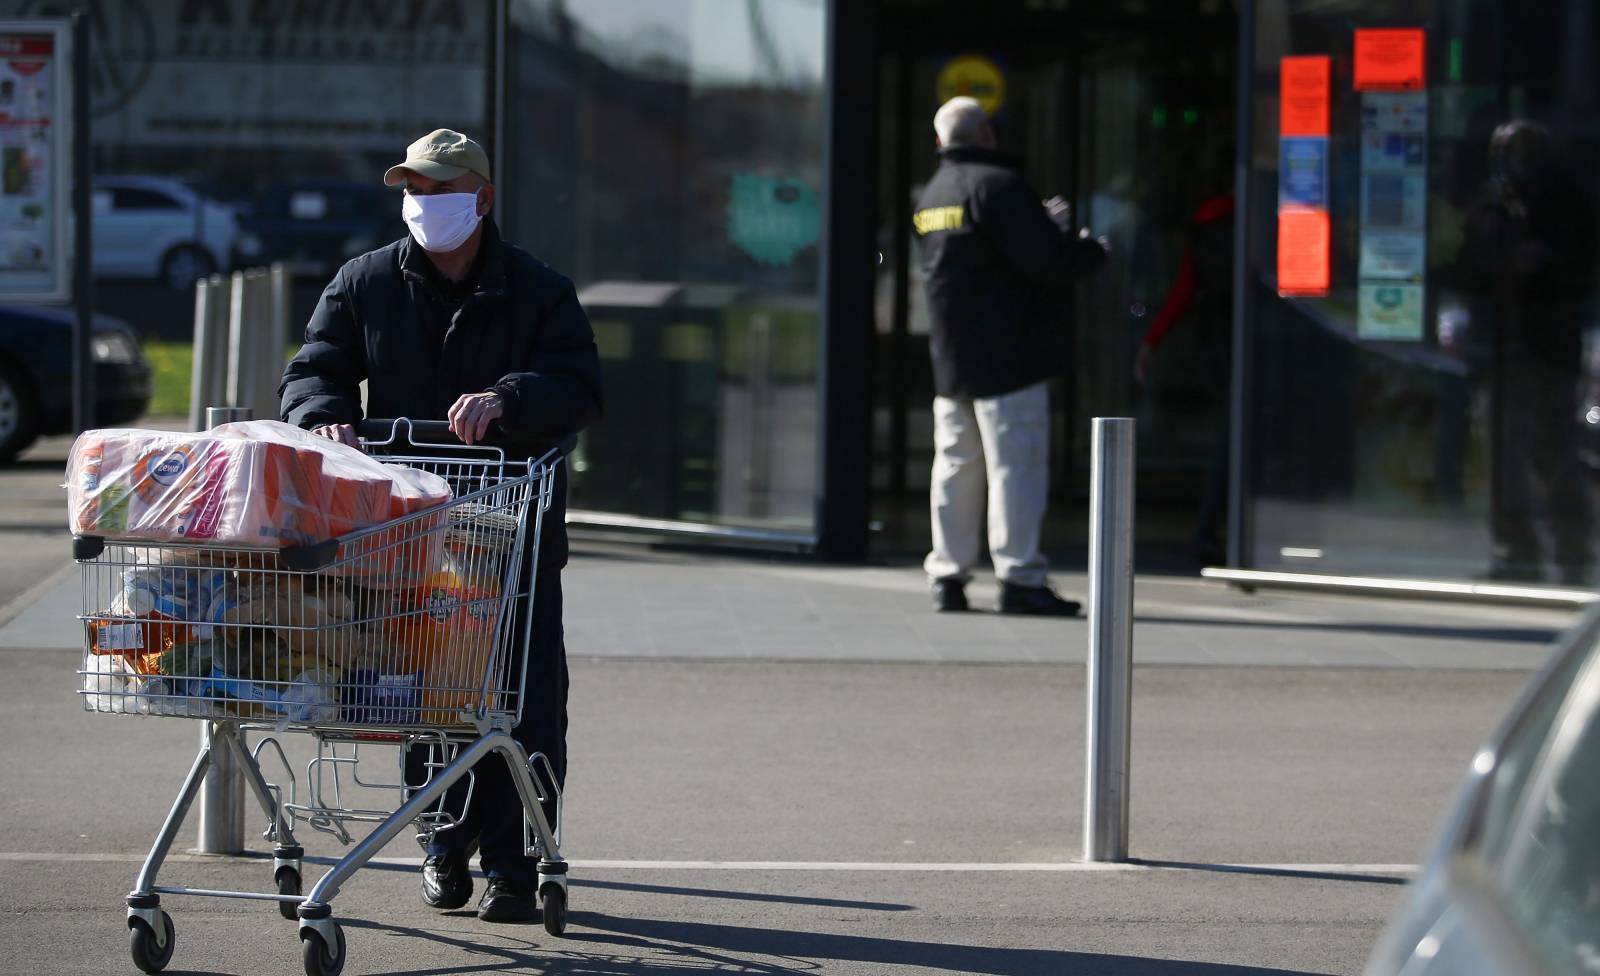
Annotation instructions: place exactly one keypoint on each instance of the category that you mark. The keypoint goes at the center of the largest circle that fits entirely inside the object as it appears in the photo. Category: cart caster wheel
(554, 899)
(288, 884)
(148, 956)
(315, 953)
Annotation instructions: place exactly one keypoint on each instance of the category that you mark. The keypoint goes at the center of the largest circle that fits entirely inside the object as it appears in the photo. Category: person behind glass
(1531, 252)
(1202, 295)
(453, 323)
(999, 267)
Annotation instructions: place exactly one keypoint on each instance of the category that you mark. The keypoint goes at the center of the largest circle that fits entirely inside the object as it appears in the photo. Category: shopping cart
(404, 634)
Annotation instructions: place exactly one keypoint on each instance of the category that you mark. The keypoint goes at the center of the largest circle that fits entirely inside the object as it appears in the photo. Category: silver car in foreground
(1513, 885)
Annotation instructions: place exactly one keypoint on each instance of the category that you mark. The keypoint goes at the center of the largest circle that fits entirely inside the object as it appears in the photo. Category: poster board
(35, 161)
(1391, 59)
(1393, 270)
(1305, 95)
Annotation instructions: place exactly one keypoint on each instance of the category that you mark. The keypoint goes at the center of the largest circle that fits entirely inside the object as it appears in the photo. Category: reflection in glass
(1429, 417)
(666, 155)
(208, 115)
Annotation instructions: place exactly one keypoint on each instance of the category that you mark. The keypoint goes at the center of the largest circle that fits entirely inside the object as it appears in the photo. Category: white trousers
(999, 447)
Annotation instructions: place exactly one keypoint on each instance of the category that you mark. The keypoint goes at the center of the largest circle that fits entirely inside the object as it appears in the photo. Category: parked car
(36, 375)
(161, 229)
(1513, 885)
(314, 226)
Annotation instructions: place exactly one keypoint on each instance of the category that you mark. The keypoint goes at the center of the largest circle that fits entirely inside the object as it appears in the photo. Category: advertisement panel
(35, 128)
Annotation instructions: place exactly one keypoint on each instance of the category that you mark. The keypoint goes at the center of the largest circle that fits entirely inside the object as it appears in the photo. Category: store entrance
(1130, 117)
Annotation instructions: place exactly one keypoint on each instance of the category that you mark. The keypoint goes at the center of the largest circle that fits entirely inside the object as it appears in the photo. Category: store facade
(1402, 374)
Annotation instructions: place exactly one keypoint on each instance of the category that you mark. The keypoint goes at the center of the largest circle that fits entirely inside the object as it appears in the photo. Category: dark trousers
(1541, 491)
(494, 818)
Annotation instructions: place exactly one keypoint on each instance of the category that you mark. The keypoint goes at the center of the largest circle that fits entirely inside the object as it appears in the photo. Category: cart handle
(439, 432)
(417, 431)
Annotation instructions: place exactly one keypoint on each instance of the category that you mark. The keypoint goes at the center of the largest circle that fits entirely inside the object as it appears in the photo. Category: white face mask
(441, 221)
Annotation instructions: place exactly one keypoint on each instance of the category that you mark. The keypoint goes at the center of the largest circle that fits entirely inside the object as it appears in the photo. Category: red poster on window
(1305, 85)
(1304, 268)
(1391, 59)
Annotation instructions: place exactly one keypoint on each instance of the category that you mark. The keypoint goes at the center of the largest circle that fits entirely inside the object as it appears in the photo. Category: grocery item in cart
(445, 629)
(258, 484)
(372, 696)
(136, 639)
(158, 606)
(310, 696)
(302, 612)
(113, 685)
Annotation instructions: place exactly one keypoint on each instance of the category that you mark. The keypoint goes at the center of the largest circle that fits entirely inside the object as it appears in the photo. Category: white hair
(960, 121)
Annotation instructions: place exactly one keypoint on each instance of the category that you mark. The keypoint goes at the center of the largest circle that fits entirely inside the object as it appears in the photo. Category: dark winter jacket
(999, 274)
(520, 333)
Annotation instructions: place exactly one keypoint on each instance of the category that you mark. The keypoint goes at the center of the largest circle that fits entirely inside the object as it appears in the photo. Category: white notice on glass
(1394, 255)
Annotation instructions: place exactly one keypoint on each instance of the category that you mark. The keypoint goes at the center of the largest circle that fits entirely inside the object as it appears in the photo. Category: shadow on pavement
(1269, 872)
(1524, 635)
(644, 947)
(864, 906)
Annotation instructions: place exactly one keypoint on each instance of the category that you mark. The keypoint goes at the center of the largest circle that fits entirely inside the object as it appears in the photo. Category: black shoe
(446, 880)
(1039, 601)
(507, 901)
(950, 595)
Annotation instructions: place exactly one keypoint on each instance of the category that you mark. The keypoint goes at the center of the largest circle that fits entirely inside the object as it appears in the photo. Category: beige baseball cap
(442, 154)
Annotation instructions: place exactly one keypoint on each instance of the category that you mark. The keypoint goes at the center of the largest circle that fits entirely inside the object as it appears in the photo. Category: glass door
(1130, 118)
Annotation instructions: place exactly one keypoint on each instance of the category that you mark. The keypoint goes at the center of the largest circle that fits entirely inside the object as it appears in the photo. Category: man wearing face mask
(453, 323)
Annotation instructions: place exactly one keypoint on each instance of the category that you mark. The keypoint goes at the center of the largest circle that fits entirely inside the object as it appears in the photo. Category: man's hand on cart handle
(472, 414)
(343, 433)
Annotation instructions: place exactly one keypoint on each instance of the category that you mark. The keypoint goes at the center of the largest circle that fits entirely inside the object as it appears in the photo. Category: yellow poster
(974, 75)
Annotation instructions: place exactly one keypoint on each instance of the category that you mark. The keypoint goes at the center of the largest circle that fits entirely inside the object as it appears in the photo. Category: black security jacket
(999, 274)
(520, 333)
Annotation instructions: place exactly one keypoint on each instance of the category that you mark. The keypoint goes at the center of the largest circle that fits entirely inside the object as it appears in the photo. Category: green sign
(772, 219)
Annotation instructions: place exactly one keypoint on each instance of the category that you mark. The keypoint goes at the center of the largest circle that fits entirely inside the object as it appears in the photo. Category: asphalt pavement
(779, 767)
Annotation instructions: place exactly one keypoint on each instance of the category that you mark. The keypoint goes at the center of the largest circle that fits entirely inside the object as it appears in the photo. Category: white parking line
(889, 867)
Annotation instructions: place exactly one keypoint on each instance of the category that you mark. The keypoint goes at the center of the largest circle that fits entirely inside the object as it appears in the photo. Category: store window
(667, 156)
(1424, 339)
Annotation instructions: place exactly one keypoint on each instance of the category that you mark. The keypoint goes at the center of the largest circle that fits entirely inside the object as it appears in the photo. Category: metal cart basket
(412, 633)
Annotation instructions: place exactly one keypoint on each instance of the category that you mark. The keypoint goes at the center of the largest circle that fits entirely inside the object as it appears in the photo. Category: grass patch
(170, 367)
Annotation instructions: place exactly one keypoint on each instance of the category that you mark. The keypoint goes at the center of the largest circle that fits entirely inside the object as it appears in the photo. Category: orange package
(446, 630)
(138, 640)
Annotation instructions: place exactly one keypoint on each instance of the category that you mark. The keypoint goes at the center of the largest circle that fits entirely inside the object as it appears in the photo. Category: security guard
(999, 267)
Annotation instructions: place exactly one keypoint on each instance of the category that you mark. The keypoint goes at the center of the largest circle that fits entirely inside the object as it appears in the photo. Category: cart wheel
(288, 884)
(149, 957)
(314, 952)
(555, 909)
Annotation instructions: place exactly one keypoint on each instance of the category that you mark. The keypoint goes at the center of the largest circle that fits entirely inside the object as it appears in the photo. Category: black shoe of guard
(507, 901)
(1038, 601)
(446, 881)
(950, 595)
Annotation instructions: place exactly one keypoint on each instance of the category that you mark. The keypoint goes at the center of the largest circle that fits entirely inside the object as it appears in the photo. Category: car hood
(63, 318)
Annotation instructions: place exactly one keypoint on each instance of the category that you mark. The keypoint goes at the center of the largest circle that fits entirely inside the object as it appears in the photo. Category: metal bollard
(1105, 807)
(208, 380)
(222, 794)
(238, 373)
